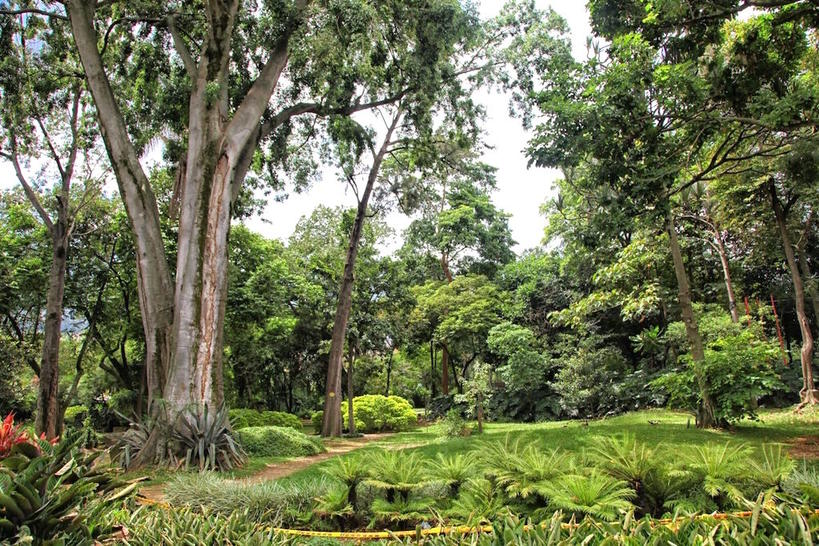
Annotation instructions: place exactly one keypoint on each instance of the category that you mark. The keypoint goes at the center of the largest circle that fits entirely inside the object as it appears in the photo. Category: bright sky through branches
(520, 191)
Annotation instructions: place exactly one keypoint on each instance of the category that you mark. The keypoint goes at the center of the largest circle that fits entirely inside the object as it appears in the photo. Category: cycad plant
(774, 467)
(624, 458)
(397, 472)
(520, 471)
(594, 494)
(719, 469)
(453, 470)
(350, 471)
(481, 501)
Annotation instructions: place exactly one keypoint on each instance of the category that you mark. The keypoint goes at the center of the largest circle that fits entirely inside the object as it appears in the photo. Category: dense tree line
(678, 265)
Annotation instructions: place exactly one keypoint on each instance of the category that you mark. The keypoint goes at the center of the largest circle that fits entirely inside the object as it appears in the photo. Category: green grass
(671, 430)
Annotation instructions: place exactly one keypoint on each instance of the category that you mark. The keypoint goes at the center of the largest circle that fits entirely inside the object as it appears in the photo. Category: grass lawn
(668, 429)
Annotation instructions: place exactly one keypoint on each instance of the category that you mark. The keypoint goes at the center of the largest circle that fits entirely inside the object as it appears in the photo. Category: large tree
(220, 80)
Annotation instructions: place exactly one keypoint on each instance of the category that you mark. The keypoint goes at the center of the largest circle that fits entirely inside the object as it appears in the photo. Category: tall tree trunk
(705, 412)
(810, 283)
(153, 275)
(351, 393)
(389, 371)
(723, 258)
(808, 394)
(48, 411)
(444, 370)
(331, 422)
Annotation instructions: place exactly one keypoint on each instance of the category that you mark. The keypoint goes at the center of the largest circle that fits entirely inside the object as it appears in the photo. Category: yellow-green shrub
(277, 442)
(378, 413)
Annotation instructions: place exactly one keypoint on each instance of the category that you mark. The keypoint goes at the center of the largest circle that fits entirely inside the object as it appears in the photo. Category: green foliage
(454, 470)
(316, 418)
(780, 525)
(56, 494)
(453, 425)
(154, 526)
(378, 413)
(243, 418)
(277, 442)
(737, 370)
(75, 415)
(270, 502)
(593, 494)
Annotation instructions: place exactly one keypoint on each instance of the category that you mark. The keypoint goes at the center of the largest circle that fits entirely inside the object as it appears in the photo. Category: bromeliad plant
(56, 494)
(11, 435)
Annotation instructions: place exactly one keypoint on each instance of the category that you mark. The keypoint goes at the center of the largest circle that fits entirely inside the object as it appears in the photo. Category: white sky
(520, 191)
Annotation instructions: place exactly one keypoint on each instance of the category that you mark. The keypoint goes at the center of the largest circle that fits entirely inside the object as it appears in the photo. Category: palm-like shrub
(624, 458)
(350, 471)
(774, 467)
(401, 511)
(397, 472)
(453, 470)
(718, 468)
(480, 501)
(520, 470)
(594, 494)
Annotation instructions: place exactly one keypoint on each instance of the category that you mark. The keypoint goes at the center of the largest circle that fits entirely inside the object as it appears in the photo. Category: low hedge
(245, 417)
(274, 441)
(378, 413)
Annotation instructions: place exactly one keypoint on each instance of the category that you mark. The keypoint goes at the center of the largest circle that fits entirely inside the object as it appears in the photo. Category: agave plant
(454, 470)
(594, 494)
(207, 441)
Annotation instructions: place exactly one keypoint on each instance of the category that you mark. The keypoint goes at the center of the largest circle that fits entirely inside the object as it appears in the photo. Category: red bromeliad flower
(10, 435)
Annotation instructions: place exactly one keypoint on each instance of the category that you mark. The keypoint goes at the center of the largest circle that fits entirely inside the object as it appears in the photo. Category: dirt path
(275, 471)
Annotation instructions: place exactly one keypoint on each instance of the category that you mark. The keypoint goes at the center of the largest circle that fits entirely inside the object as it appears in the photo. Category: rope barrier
(367, 536)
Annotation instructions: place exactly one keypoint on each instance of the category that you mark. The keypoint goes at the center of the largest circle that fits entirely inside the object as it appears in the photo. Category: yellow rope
(437, 531)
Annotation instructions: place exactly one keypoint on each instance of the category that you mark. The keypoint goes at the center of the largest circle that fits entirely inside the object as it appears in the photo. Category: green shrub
(378, 413)
(316, 419)
(75, 415)
(268, 502)
(737, 371)
(454, 425)
(244, 417)
(277, 442)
